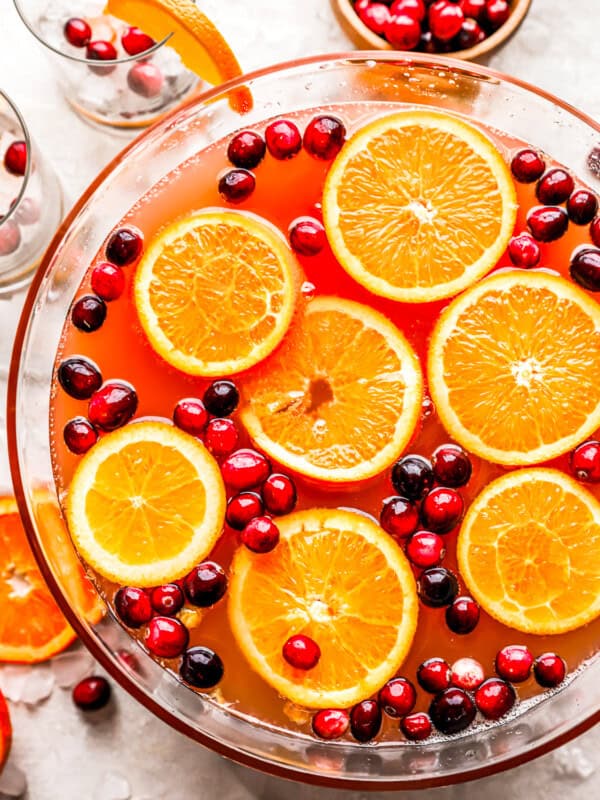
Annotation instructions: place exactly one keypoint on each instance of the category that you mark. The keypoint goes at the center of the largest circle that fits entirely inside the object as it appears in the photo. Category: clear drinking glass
(124, 91)
(393, 82)
(31, 203)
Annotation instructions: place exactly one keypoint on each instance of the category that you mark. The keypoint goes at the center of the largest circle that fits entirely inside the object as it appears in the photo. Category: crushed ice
(71, 667)
(112, 786)
(26, 684)
(12, 781)
(572, 763)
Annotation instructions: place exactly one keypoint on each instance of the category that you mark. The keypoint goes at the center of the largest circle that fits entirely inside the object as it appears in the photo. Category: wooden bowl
(366, 39)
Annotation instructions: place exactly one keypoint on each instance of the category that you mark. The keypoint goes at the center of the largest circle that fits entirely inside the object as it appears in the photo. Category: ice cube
(12, 781)
(69, 668)
(112, 786)
(12, 680)
(572, 763)
(38, 685)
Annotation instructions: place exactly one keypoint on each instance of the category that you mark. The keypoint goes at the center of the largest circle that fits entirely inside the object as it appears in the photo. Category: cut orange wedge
(197, 41)
(216, 291)
(334, 576)
(146, 503)
(5, 732)
(418, 206)
(529, 551)
(513, 367)
(340, 399)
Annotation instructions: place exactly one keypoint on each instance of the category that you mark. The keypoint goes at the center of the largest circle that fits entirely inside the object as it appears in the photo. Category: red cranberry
(548, 223)
(451, 466)
(324, 137)
(403, 32)
(205, 585)
(330, 723)
(301, 652)
(221, 398)
(527, 166)
(397, 697)
(191, 416)
(15, 158)
(414, 8)
(237, 185)
(524, 251)
(279, 494)
(585, 269)
(416, 727)
(113, 405)
(77, 32)
(201, 667)
(467, 674)
(145, 79)
(88, 313)
(166, 637)
(470, 34)
(555, 187)
(365, 720)
(108, 281)
(495, 698)
(375, 16)
(425, 549)
(244, 469)
(246, 150)
(133, 606)
(412, 476)
(445, 20)
(473, 8)
(549, 670)
(221, 437)
(582, 207)
(442, 509)
(79, 435)
(167, 600)
(585, 462)
(283, 139)
(28, 211)
(513, 663)
(135, 41)
(452, 710)
(79, 377)
(10, 237)
(124, 246)
(434, 675)
(428, 44)
(101, 51)
(595, 231)
(462, 616)
(261, 535)
(399, 517)
(242, 508)
(307, 236)
(92, 694)
(437, 587)
(497, 12)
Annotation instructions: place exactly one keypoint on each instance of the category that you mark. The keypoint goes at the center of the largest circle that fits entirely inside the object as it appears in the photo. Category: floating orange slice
(513, 367)
(339, 401)
(216, 291)
(529, 551)
(146, 503)
(334, 576)
(5, 731)
(418, 206)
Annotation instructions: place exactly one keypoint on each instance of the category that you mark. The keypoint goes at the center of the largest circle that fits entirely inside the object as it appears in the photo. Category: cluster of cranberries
(433, 26)
(28, 213)
(561, 203)
(322, 139)
(143, 78)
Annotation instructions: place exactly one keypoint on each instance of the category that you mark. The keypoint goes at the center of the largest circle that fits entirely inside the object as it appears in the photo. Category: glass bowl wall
(441, 83)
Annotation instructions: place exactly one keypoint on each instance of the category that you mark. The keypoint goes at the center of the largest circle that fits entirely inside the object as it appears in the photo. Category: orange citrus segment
(529, 551)
(5, 731)
(513, 367)
(200, 45)
(337, 577)
(418, 206)
(340, 400)
(146, 503)
(215, 292)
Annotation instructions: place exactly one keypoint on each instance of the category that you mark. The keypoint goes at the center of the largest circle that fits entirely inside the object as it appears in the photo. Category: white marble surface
(66, 757)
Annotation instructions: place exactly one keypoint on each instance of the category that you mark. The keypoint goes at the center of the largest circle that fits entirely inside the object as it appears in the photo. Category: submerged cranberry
(527, 166)
(462, 615)
(402, 31)
(221, 437)
(445, 20)
(145, 79)
(167, 599)
(467, 674)
(585, 462)
(497, 12)
(549, 670)
(301, 652)
(92, 694)
(283, 139)
(513, 663)
(236, 185)
(595, 231)
(221, 398)
(79, 435)
(135, 41)
(554, 187)
(133, 606)
(582, 207)
(442, 509)
(279, 494)
(15, 158)
(585, 269)
(242, 508)
(246, 150)
(365, 720)
(205, 585)
(416, 727)
(524, 251)
(244, 469)
(324, 136)
(108, 281)
(331, 723)
(548, 223)
(425, 549)
(79, 377)
(10, 237)
(452, 711)
(437, 587)
(307, 236)
(113, 405)
(88, 313)
(191, 416)
(166, 637)
(124, 246)
(399, 517)
(412, 476)
(451, 466)
(101, 51)
(201, 667)
(260, 535)
(434, 675)
(495, 698)
(397, 697)
(77, 32)
(375, 16)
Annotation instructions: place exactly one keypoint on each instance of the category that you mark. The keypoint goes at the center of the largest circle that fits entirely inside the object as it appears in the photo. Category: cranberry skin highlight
(331, 723)
(279, 494)
(527, 166)
(324, 136)
(133, 606)
(403, 32)
(112, 406)
(15, 158)
(245, 469)
(555, 187)
(260, 535)
(442, 509)
(205, 585)
(549, 670)
(437, 587)
(412, 476)
(201, 667)
(524, 251)
(307, 236)
(585, 269)
(108, 281)
(77, 32)
(92, 694)
(125, 246)
(365, 720)
(585, 462)
(79, 435)
(416, 727)
(283, 139)
(495, 698)
(467, 674)
(582, 207)
(462, 615)
(452, 711)
(166, 637)
(397, 697)
(434, 675)
(425, 549)
(301, 652)
(451, 466)
(135, 41)
(191, 416)
(79, 377)
(88, 313)
(237, 185)
(513, 663)
(399, 517)
(242, 508)
(548, 223)
(221, 437)
(167, 599)
(221, 398)
(246, 150)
